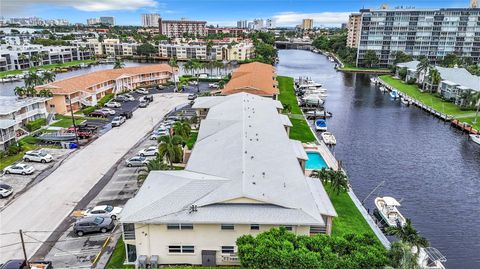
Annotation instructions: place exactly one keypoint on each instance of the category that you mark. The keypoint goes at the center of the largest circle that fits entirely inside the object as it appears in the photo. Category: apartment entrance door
(209, 258)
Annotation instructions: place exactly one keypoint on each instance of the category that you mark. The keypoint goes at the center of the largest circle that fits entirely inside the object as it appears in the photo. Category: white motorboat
(331, 59)
(313, 100)
(10, 78)
(305, 83)
(475, 138)
(388, 209)
(431, 258)
(321, 125)
(329, 138)
(405, 101)
(373, 80)
(383, 89)
(318, 114)
(394, 94)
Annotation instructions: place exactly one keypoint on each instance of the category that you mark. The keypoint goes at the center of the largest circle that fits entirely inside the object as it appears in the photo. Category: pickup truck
(21, 264)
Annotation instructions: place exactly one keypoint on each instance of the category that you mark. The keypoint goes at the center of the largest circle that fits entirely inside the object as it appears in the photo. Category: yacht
(475, 138)
(388, 209)
(318, 114)
(383, 89)
(313, 100)
(430, 258)
(394, 94)
(321, 125)
(329, 138)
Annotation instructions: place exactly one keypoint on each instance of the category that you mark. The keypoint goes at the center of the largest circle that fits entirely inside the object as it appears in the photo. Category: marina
(432, 167)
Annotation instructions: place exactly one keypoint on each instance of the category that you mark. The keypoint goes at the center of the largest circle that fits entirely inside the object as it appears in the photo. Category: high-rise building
(473, 3)
(179, 28)
(307, 24)
(150, 20)
(107, 20)
(93, 21)
(258, 24)
(343, 26)
(353, 29)
(434, 33)
(242, 24)
(269, 24)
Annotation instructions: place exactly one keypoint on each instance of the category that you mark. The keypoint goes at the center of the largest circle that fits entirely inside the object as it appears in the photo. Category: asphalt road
(44, 207)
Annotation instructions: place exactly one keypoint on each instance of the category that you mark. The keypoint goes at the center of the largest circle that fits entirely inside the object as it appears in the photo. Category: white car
(141, 91)
(108, 111)
(37, 156)
(137, 161)
(113, 104)
(150, 151)
(20, 168)
(118, 120)
(129, 97)
(5, 190)
(159, 133)
(103, 210)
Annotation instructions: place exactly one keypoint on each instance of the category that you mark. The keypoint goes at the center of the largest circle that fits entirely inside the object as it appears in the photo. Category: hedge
(36, 124)
(104, 100)
(88, 110)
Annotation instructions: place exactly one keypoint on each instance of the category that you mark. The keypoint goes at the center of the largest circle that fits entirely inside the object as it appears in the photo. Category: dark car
(98, 114)
(127, 114)
(192, 96)
(92, 225)
(148, 98)
(143, 104)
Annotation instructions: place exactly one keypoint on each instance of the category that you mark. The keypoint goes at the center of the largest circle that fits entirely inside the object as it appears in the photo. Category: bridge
(294, 44)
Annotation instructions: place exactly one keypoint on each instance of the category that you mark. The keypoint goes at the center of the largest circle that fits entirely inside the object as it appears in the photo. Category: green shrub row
(101, 103)
(36, 124)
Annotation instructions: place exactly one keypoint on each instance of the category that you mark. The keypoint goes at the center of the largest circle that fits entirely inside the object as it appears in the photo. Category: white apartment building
(150, 20)
(244, 176)
(239, 52)
(26, 56)
(15, 112)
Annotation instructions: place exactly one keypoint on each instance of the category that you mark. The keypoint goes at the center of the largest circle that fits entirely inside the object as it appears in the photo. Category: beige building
(307, 24)
(179, 28)
(353, 29)
(244, 176)
(238, 52)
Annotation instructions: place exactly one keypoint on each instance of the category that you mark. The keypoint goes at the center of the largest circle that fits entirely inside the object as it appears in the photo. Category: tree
(183, 129)
(370, 59)
(337, 180)
(48, 77)
(19, 91)
(422, 68)
(169, 149)
(401, 57)
(434, 78)
(402, 73)
(146, 49)
(450, 60)
(119, 64)
(173, 63)
(401, 256)
(408, 234)
(45, 93)
(152, 165)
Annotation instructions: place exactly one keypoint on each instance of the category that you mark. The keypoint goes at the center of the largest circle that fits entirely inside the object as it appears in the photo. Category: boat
(431, 258)
(329, 138)
(394, 94)
(373, 80)
(475, 138)
(312, 100)
(10, 78)
(57, 137)
(331, 59)
(383, 89)
(405, 101)
(388, 210)
(321, 125)
(305, 83)
(318, 114)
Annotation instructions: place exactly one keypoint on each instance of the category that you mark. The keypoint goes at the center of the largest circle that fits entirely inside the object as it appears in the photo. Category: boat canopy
(435, 255)
(390, 201)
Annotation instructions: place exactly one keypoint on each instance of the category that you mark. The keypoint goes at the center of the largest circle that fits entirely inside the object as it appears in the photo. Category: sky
(216, 12)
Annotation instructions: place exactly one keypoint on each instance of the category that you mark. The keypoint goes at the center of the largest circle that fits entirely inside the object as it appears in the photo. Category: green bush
(104, 100)
(3, 154)
(412, 81)
(13, 150)
(36, 124)
(87, 110)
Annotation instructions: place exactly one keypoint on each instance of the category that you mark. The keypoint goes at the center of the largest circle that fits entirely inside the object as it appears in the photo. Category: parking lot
(21, 183)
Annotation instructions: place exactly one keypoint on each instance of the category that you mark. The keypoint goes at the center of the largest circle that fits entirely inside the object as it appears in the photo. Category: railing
(7, 136)
(230, 258)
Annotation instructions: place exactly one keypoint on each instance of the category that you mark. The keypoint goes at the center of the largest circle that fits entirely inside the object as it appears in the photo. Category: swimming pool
(315, 161)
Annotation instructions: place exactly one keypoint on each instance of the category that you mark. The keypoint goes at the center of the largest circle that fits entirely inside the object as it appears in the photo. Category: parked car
(169, 122)
(118, 120)
(136, 161)
(37, 156)
(161, 87)
(148, 98)
(22, 264)
(93, 224)
(193, 82)
(213, 85)
(103, 211)
(20, 168)
(129, 97)
(159, 133)
(192, 96)
(143, 104)
(121, 98)
(113, 104)
(5, 190)
(127, 114)
(141, 91)
(150, 151)
(98, 114)
(108, 111)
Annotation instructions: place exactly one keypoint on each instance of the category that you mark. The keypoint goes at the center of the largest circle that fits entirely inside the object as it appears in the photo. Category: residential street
(40, 210)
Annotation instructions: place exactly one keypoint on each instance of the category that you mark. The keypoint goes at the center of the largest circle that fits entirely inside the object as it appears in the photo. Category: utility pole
(73, 120)
(23, 247)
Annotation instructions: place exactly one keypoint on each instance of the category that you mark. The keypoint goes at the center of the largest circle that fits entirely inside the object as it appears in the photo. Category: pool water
(315, 161)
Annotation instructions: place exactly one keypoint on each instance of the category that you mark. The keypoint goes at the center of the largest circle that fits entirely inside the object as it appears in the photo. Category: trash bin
(73, 146)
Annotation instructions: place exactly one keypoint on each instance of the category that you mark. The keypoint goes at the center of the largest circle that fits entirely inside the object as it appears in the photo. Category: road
(39, 211)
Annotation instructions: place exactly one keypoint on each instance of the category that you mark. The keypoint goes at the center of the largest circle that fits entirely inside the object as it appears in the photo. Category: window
(129, 231)
(131, 253)
(228, 249)
(179, 226)
(254, 227)
(317, 229)
(288, 227)
(228, 227)
(181, 249)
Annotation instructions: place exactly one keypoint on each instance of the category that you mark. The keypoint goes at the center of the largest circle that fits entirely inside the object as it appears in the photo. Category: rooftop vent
(193, 208)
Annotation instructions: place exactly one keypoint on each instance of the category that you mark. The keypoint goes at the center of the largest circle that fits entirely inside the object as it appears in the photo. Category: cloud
(15, 6)
(322, 18)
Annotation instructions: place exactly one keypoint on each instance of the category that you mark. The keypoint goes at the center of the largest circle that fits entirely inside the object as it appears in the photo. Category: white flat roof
(11, 104)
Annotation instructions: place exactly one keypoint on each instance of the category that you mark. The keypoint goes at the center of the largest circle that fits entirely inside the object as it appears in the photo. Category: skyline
(215, 12)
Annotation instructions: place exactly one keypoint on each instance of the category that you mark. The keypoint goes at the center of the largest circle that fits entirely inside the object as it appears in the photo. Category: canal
(432, 167)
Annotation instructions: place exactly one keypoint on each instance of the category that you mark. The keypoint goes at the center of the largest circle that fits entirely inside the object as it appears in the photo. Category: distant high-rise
(307, 24)
(353, 29)
(242, 24)
(269, 24)
(182, 27)
(150, 20)
(107, 21)
(474, 3)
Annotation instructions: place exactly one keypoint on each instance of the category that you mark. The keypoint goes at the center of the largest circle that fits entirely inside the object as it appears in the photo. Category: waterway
(432, 167)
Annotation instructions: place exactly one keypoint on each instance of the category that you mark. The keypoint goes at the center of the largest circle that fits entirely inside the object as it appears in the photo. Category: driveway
(43, 208)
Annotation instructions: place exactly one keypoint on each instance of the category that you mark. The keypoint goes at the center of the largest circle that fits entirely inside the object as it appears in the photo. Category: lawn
(287, 94)
(27, 143)
(431, 100)
(301, 131)
(66, 121)
(46, 67)
(362, 69)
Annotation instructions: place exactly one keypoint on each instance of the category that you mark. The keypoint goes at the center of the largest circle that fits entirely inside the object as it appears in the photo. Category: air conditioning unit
(142, 261)
(154, 261)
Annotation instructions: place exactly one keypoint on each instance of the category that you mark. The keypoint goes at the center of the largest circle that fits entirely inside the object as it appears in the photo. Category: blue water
(315, 161)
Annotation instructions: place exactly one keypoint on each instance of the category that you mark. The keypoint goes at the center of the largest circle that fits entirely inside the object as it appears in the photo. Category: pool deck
(333, 163)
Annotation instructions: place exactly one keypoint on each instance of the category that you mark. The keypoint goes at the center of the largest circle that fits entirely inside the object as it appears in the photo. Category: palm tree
(323, 175)
(173, 63)
(169, 148)
(183, 129)
(337, 180)
(401, 256)
(152, 165)
(408, 234)
(423, 67)
(30, 91)
(31, 79)
(35, 58)
(45, 93)
(434, 77)
(23, 58)
(19, 91)
(82, 49)
(118, 64)
(48, 77)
